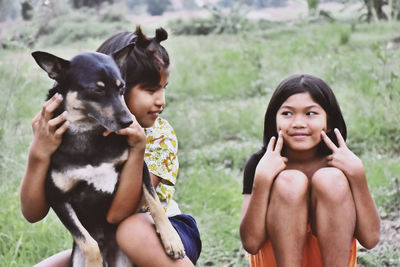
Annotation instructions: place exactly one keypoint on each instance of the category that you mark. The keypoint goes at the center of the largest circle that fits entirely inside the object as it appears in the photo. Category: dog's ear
(121, 55)
(53, 65)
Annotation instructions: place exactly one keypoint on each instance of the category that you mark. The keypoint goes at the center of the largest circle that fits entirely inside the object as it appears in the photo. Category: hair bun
(141, 39)
(161, 35)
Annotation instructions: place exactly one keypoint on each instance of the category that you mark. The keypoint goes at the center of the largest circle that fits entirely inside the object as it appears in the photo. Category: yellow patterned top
(161, 157)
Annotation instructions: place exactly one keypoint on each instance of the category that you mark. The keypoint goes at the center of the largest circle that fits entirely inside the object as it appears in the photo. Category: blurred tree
(382, 9)
(254, 3)
(26, 10)
(268, 3)
(232, 21)
(375, 9)
(157, 7)
(395, 6)
(89, 3)
(131, 4)
(313, 6)
(190, 4)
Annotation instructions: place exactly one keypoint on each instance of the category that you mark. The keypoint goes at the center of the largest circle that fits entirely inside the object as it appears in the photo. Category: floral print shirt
(161, 157)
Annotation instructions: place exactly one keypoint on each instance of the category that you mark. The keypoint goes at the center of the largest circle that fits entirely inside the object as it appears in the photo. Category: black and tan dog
(84, 170)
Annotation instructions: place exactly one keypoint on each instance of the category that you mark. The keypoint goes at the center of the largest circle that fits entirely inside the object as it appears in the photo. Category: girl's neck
(295, 156)
(305, 161)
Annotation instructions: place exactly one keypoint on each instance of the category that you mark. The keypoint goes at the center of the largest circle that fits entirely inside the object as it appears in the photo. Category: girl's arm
(253, 230)
(47, 135)
(129, 192)
(367, 229)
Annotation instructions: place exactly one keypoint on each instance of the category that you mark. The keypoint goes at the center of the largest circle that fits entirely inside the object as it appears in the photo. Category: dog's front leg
(169, 237)
(85, 242)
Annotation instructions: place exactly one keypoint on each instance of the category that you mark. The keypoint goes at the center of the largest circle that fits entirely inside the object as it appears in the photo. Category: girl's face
(301, 121)
(147, 103)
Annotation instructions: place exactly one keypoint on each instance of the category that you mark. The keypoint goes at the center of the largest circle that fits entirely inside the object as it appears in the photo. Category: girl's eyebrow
(306, 107)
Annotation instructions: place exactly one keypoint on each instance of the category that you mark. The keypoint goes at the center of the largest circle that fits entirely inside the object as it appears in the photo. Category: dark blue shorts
(186, 227)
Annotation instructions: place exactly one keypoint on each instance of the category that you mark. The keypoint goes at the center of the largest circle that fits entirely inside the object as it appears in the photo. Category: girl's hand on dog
(136, 135)
(342, 157)
(48, 131)
(272, 163)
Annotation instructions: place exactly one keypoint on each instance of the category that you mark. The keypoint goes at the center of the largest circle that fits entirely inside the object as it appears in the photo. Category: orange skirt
(311, 256)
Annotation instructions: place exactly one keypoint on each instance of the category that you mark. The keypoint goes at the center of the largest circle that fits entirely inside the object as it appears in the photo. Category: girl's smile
(301, 121)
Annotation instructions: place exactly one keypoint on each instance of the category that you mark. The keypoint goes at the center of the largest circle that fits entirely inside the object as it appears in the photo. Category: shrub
(196, 26)
(232, 21)
(157, 7)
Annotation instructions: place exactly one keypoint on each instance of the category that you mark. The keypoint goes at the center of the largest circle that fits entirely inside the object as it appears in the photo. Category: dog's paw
(172, 243)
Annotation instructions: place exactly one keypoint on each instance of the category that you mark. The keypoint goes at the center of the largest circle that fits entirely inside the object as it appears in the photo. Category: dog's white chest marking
(102, 178)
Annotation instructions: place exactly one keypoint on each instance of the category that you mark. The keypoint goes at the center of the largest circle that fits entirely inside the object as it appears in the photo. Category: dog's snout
(125, 122)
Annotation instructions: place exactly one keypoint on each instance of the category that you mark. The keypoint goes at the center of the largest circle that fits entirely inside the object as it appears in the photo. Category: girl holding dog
(306, 198)
(151, 139)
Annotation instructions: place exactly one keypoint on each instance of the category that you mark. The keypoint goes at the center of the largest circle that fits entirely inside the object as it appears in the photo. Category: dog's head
(91, 85)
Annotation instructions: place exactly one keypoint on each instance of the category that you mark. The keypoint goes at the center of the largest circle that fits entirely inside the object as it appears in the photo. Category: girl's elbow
(32, 216)
(251, 247)
(372, 241)
(113, 218)
(250, 244)
(31, 219)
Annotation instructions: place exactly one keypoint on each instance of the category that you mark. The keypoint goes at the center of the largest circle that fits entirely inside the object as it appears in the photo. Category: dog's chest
(102, 177)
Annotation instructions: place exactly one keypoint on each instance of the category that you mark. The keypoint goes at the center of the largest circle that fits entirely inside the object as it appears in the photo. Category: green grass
(217, 95)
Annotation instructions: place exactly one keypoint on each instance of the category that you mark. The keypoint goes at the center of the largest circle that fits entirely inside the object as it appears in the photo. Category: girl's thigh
(61, 259)
(137, 237)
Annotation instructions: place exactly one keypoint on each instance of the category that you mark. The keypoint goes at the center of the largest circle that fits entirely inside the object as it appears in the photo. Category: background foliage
(217, 95)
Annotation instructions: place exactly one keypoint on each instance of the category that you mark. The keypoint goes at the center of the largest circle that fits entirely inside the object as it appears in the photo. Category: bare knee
(290, 186)
(133, 226)
(331, 184)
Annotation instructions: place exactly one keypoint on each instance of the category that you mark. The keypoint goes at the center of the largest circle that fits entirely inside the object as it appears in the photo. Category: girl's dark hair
(146, 61)
(320, 92)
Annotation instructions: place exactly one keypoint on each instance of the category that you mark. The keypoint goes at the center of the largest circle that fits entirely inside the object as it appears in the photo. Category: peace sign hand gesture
(272, 163)
(342, 157)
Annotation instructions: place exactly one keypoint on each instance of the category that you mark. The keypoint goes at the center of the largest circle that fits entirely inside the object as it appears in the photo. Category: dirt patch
(390, 232)
(389, 244)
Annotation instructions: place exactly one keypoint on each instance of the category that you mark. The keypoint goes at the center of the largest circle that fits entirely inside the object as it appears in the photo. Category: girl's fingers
(106, 132)
(339, 137)
(51, 105)
(122, 131)
(47, 103)
(57, 120)
(61, 130)
(36, 118)
(271, 144)
(126, 131)
(279, 143)
(328, 141)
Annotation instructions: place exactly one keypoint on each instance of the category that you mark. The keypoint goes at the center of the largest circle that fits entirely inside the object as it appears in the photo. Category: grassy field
(217, 95)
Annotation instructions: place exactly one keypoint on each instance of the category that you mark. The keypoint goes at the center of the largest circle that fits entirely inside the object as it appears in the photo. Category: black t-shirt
(249, 171)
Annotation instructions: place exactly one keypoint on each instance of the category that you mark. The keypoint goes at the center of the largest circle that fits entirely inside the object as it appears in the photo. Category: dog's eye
(98, 90)
(122, 90)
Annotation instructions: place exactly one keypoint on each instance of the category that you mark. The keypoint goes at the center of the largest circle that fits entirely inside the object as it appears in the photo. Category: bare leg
(334, 215)
(137, 237)
(61, 259)
(287, 217)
